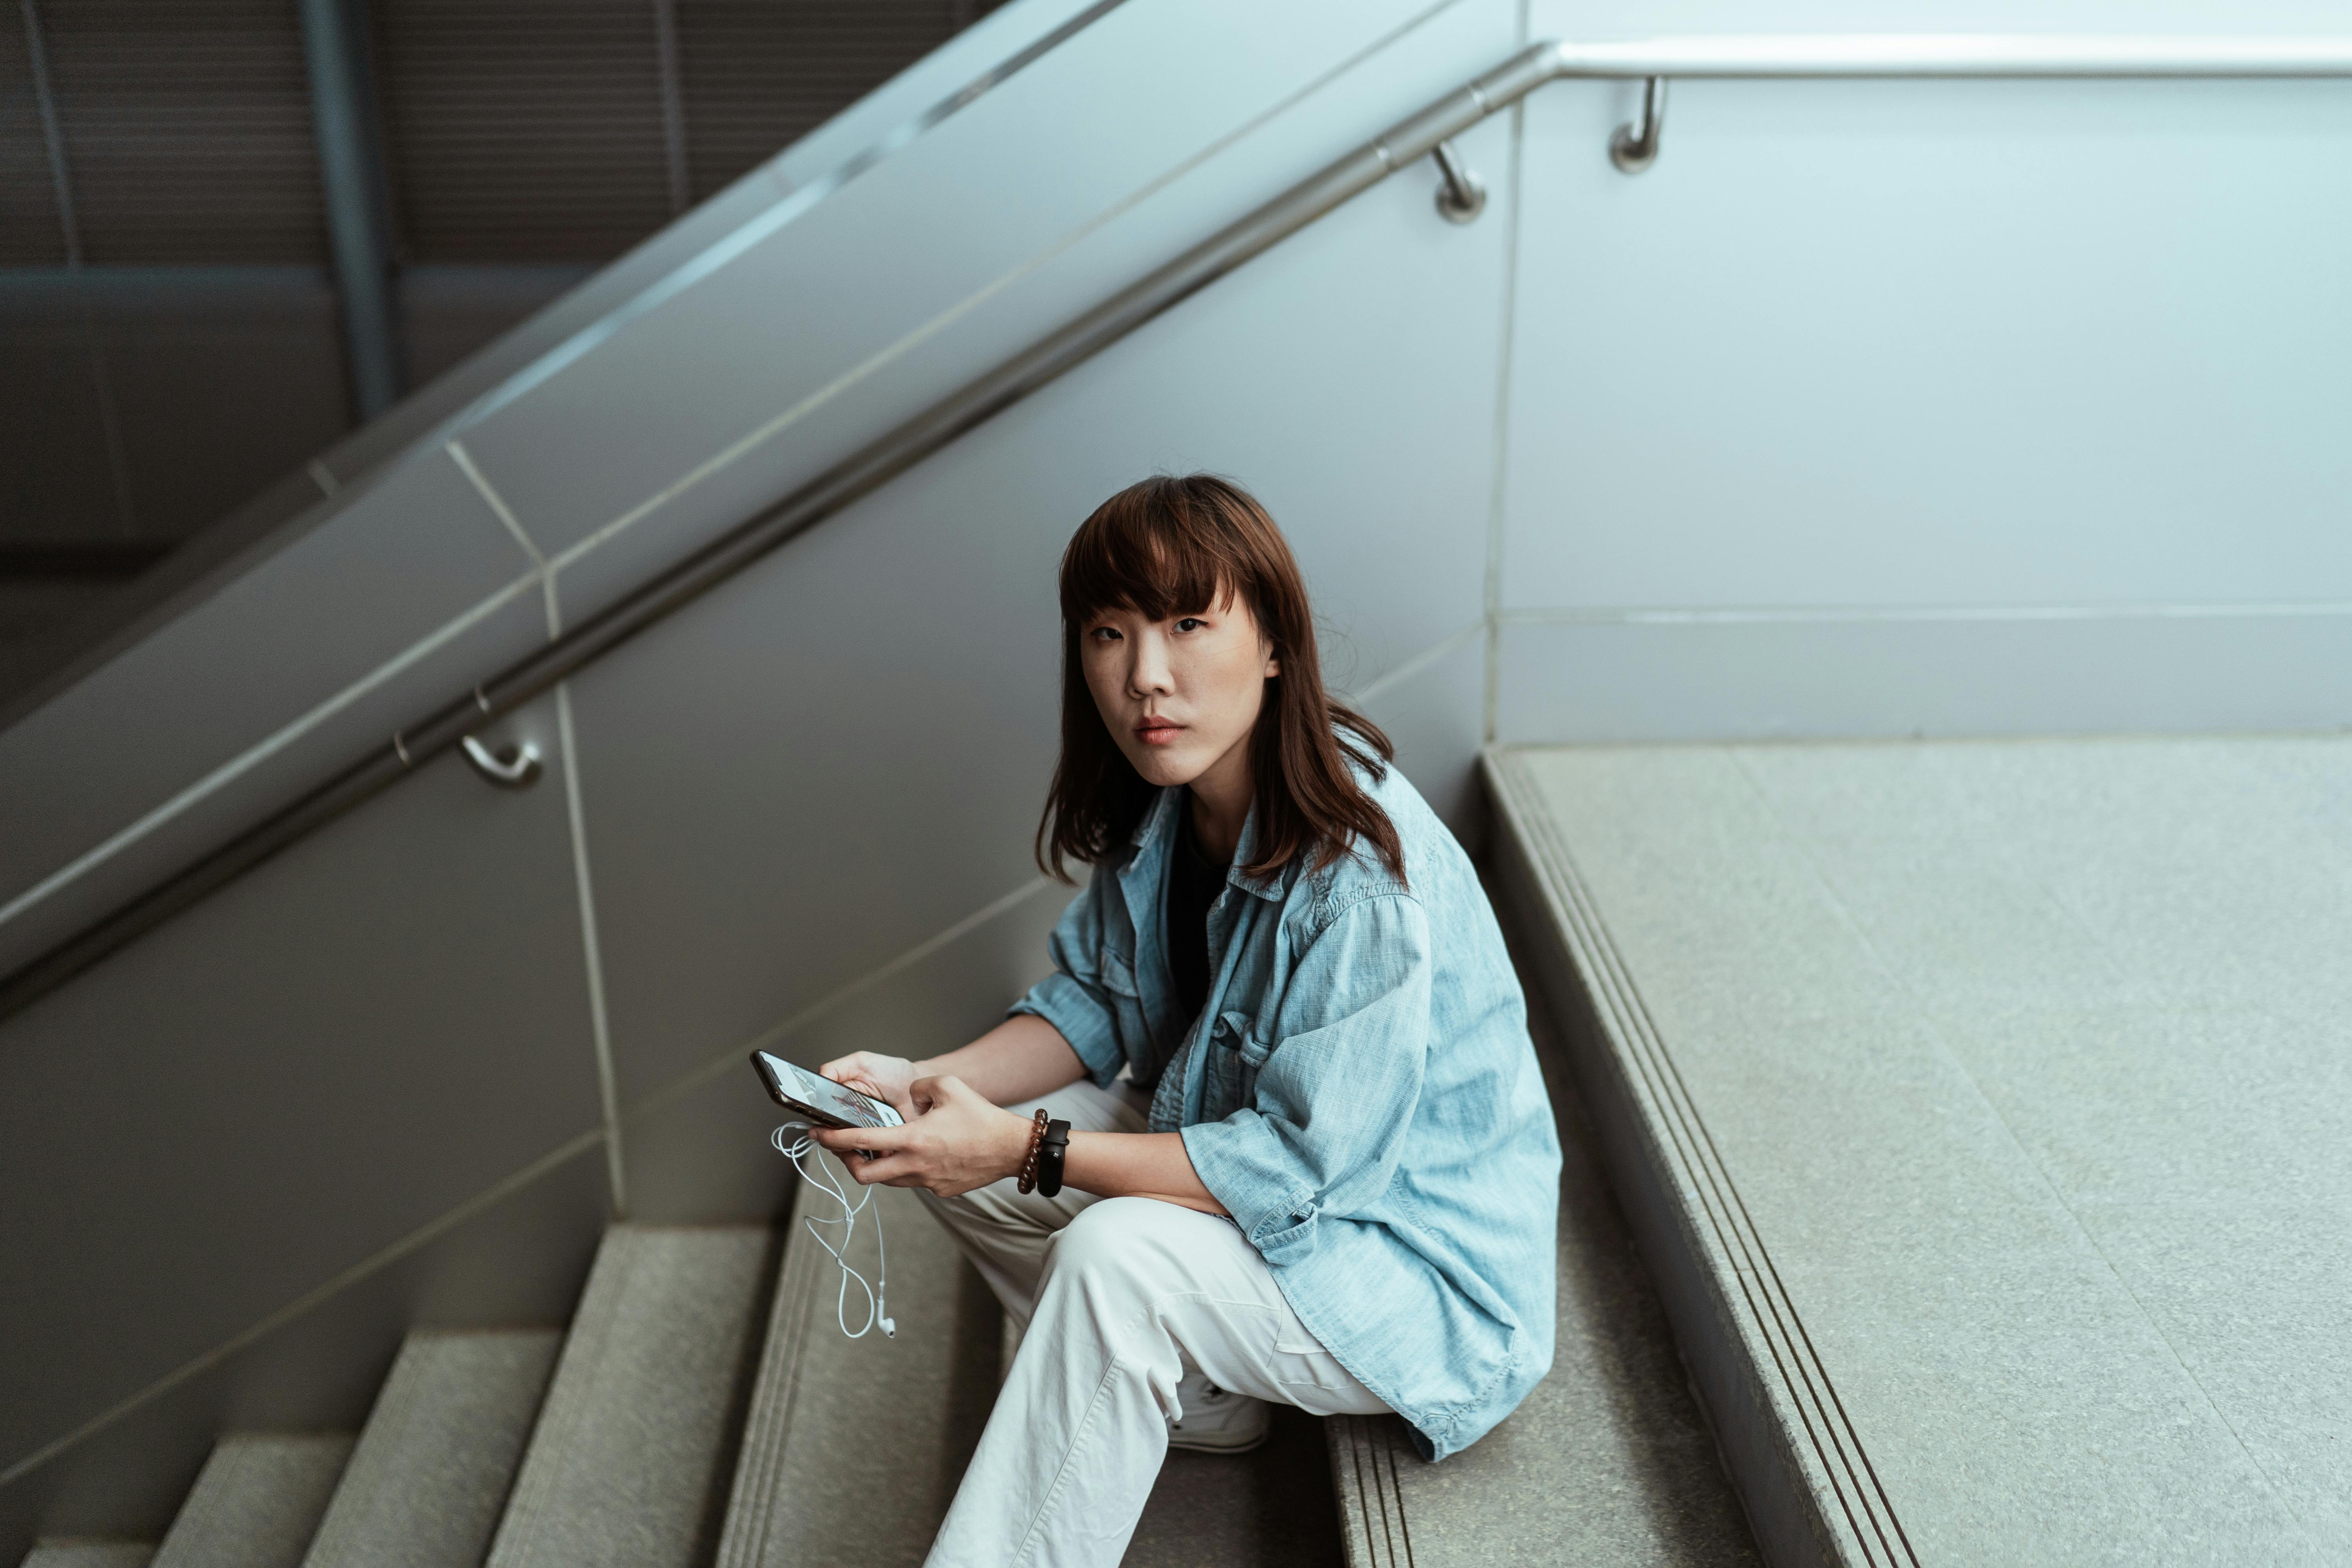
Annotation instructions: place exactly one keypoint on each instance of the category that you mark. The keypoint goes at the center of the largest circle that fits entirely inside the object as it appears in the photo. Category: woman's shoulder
(1360, 873)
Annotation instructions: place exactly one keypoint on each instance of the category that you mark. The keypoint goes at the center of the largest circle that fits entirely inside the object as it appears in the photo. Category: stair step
(437, 1457)
(68, 1553)
(830, 1414)
(1270, 1508)
(630, 1458)
(837, 1423)
(257, 1502)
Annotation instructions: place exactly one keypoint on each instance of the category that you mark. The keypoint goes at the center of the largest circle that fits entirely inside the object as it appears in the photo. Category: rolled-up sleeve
(1071, 998)
(1338, 1085)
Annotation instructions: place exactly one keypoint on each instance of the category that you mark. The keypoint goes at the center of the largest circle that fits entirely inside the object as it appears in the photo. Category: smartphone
(822, 1100)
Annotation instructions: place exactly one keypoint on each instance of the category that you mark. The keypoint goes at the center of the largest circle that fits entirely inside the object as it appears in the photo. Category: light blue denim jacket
(1360, 1094)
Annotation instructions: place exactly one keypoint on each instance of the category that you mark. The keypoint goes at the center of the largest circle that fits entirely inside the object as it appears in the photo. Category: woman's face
(1182, 695)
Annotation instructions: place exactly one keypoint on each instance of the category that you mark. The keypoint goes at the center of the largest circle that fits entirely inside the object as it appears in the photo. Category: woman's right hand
(889, 1078)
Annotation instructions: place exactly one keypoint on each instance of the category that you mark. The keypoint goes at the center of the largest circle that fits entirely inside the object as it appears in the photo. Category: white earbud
(877, 1293)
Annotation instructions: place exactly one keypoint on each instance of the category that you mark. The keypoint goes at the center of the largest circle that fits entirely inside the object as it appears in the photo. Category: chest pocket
(1126, 1005)
(1235, 1055)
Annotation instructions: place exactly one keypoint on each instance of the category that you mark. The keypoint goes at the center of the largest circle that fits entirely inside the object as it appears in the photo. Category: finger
(928, 1092)
(844, 1139)
(895, 1171)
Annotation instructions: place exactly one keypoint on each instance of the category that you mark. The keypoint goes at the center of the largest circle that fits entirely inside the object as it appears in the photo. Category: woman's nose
(1148, 673)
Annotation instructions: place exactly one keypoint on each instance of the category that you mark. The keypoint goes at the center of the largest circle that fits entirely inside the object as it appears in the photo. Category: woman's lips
(1158, 732)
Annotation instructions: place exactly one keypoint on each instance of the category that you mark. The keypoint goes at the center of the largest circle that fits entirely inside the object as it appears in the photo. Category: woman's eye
(1187, 622)
(1104, 633)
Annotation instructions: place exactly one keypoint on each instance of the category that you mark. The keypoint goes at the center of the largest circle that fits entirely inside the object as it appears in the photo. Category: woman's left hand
(957, 1141)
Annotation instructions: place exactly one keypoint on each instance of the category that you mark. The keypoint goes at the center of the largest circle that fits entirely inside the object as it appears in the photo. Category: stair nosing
(533, 1485)
(760, 1461)
(401, 1404)
(1370, 1507)
(1814, 1434)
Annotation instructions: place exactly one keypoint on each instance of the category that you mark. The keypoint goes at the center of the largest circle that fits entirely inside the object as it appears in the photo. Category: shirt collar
(1159, 828)
(1159, 820)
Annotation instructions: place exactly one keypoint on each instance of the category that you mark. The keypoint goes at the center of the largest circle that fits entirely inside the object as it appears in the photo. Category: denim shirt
(1359, 1093)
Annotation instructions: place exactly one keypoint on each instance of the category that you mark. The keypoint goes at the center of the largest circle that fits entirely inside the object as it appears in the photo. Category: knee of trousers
(1120, 1251)
(982, 1205)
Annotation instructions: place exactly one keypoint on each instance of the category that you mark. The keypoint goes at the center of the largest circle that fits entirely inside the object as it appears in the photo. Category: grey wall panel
(420, 549)
(1002, 223)
(1937, 342)
(700, 1152)
(845, 751)
(329, 1054)
(1435, 714)
(520, 1261)
(1819, 678)
(2010, 406)
(761, 780)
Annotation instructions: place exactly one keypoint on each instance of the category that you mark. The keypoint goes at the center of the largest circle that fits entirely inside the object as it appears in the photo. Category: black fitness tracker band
(1050, 1149)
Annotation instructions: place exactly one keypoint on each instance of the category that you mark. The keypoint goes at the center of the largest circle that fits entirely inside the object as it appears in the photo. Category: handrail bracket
(1461, 194)
(1635, 146)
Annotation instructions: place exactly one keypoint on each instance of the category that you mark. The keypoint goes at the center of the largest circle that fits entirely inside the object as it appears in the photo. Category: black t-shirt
(1193, 883)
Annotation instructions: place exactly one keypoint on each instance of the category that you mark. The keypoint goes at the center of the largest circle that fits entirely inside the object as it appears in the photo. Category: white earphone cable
(877, 1294)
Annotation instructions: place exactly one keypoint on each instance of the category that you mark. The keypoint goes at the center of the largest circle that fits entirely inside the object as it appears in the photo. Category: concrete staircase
(630, 1460)
(430, 1475)
(257, 1502)
(704, 1408)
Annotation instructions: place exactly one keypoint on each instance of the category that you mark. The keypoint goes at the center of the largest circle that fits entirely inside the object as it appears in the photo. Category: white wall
(1944, 408)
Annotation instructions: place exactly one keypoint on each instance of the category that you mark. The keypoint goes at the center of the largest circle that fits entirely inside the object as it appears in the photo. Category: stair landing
(1983, 1111)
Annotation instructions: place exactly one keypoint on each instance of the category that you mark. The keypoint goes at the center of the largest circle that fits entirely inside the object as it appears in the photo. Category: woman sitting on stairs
(1273, 1129)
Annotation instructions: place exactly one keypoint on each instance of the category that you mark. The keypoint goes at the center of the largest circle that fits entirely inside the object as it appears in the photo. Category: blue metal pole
(358, 200)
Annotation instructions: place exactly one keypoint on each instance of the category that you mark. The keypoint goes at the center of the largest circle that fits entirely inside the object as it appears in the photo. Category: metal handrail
(1890, 56)
(1921, 55)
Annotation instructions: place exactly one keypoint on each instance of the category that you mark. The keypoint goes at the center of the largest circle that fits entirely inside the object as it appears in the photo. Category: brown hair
(1173, 546)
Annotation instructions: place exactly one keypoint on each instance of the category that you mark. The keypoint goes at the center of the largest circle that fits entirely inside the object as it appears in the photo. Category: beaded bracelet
(1036, 1141)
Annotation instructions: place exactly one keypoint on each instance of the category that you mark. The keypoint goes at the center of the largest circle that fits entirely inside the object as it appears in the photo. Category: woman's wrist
(1015, 1135)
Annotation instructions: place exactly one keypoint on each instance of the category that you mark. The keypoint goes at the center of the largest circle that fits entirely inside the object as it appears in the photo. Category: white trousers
(1119, 1299)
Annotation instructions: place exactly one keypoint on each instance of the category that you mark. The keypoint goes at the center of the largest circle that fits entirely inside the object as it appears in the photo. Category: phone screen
(824, 1094)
